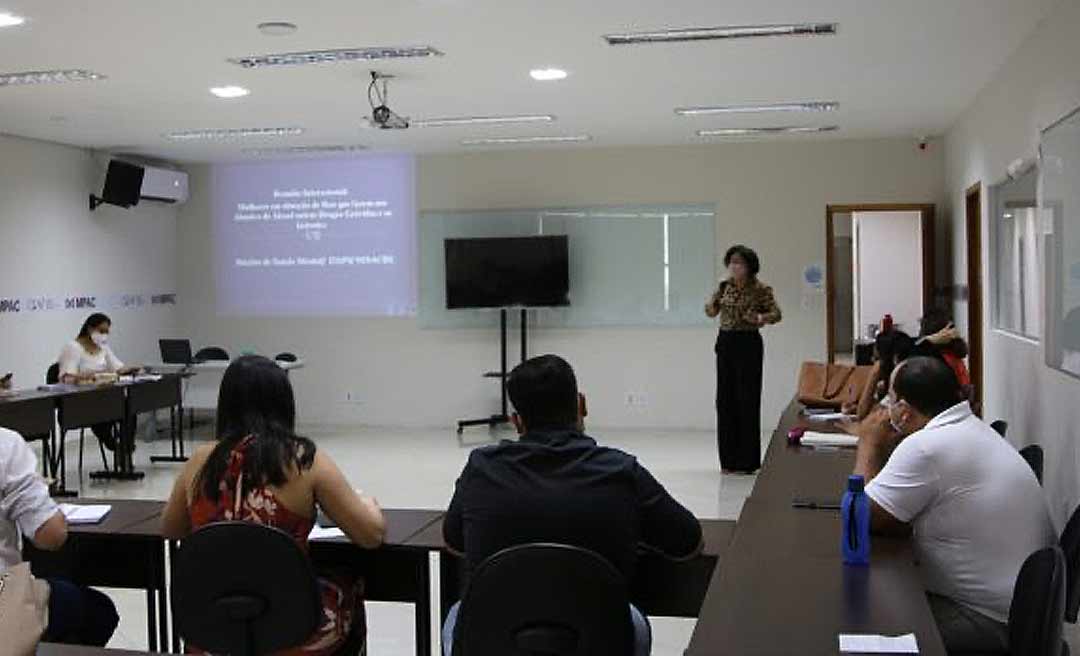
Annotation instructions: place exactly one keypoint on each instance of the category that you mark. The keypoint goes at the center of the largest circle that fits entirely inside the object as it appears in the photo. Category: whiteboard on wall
(629, 266)
(1060, 200)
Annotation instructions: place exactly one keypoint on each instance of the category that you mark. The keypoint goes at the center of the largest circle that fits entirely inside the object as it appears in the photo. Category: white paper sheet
(79, 514)
(320, 533)
(811, 438)
(878, 644)
(831, 416)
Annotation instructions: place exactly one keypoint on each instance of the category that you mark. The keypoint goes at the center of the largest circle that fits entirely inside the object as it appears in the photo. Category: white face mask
(894, 408)
(101, 339)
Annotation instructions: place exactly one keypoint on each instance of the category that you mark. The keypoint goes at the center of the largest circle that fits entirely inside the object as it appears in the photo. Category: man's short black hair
(544, 392)
(928, 384)
(753, 264)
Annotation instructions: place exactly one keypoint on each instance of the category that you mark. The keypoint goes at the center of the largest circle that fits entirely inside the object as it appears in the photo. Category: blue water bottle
(855, 518)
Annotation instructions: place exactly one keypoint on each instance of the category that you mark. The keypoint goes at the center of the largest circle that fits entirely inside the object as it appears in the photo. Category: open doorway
(879, 260)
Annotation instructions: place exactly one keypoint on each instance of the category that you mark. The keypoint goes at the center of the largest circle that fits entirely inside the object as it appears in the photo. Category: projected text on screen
(316, 237)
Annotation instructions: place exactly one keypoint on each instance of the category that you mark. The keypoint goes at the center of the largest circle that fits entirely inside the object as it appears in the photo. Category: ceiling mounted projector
(382, 116)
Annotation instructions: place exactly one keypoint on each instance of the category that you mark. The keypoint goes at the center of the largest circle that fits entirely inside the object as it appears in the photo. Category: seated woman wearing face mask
(88, 355)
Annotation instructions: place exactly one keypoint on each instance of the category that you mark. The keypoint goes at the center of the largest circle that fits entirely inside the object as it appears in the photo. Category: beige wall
(52, 245)
(769, 195)
(1039, 84)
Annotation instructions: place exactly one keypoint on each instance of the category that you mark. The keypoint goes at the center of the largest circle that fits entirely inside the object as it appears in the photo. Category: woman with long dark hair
(261, 471)
(744, 305)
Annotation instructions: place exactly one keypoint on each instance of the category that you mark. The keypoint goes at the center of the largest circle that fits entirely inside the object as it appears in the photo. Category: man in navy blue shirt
(555, 484)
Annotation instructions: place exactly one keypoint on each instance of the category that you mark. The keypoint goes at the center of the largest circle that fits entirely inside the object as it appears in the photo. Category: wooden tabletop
(126, 518)
(782, 587)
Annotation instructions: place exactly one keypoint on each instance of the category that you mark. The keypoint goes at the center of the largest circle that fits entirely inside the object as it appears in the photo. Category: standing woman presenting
(744, 304)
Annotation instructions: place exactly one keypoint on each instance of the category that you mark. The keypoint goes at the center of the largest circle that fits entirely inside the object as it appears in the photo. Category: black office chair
(286, 357)
(1070, 546)
(212, 353)
(1001, 426)
(549, 599)
(1037, 613)
(106, 433)
(1033, 454)
(244, 589)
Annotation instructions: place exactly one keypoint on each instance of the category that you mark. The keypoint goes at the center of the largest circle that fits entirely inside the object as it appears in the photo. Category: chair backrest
(1037, 613)
(242, 588)
(285, 357)
(1070, 546)
(1001, 426)
(52, 376)
(549, 599)
(212, 353)
(1033, 454)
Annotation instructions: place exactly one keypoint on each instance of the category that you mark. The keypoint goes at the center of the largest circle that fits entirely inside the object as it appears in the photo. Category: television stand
(501, 375)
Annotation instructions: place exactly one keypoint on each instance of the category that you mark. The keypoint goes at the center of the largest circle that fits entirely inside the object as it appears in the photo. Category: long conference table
(772, 583)
(37, 414)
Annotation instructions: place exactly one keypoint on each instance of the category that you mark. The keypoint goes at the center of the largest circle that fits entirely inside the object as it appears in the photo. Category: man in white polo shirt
(77, 615)
(964, 494)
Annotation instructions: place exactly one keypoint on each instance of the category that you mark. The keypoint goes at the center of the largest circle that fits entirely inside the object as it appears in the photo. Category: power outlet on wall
(353, 397)
(637, 400)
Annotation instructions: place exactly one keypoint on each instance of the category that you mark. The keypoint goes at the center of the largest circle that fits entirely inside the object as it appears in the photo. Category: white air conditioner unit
(164, 185)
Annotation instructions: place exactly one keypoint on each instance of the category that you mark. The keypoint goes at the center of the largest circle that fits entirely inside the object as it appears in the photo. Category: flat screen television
(507, 272)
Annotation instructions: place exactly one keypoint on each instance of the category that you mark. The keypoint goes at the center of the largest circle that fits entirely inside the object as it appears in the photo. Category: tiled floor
(410, 468)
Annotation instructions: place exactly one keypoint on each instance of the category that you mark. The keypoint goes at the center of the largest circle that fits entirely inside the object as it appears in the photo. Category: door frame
(927, 211)
(975, 329)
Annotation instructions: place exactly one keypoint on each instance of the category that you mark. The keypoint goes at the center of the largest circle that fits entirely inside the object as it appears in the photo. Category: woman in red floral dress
(260, 471)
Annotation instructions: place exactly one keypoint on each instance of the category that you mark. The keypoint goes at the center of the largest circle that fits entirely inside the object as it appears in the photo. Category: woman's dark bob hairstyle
(747, 254)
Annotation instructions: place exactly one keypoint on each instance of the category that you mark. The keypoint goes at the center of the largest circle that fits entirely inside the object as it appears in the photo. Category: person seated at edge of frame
(261, 471)
(89, 355)
(76, 614)
(969, 501)
(592, 497)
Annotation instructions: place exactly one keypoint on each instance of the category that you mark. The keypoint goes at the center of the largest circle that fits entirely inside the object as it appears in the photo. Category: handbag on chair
(24, 611)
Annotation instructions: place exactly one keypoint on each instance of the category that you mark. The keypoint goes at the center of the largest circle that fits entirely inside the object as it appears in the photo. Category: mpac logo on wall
(79, 303)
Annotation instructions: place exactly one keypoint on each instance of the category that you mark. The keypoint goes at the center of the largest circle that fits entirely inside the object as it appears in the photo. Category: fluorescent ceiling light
(233, 133)
(813, 106)
(48, 77)
(10, 20)
(339, 55)
(712, 33)
(744, 132)
(496, 141)
(229, 91)
(304, 150)
(482, 120)
(547, 74)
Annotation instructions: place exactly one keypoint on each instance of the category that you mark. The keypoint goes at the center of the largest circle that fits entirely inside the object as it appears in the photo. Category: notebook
(811, 438)
(78, 514)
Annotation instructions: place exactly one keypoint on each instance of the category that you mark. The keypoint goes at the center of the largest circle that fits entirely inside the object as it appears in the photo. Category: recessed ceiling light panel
(304, 150)
(547, 74)
(499, 141)
(813, 106)
(10, 20)
(339, 55)
(481, 120)
(230, 91)
(719, 33)
(233, 133)
(277, 28)
(48, 77)
(749, 132)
